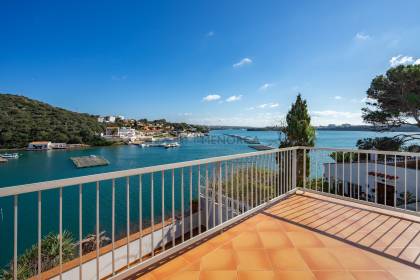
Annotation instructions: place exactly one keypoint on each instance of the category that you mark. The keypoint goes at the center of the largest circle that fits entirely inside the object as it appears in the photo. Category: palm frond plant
(27, 263)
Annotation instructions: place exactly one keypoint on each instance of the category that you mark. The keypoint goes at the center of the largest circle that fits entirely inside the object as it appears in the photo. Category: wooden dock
(3, 160)
(261, 147)
(89, 161)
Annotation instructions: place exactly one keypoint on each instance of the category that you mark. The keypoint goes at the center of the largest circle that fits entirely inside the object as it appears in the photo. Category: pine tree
(298, 131)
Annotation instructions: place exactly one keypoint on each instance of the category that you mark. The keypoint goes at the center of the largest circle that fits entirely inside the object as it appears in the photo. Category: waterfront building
(39, 146)
(376, 175)
(58, 145)
(120, 133)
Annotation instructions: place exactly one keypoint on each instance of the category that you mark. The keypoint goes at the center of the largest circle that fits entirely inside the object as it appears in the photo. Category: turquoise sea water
(42, 166)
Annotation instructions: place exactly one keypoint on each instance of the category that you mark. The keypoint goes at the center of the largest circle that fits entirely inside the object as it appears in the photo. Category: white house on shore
(391, 179)
(40, 146)
(118, 134)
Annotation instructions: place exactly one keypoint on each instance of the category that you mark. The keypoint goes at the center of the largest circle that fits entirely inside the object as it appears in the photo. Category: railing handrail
(74, 181)
(393, 153)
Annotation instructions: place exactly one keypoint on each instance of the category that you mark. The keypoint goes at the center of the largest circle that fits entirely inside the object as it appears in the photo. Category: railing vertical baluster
(113, 226)
(182, 205)
(252, 183)
(385, 173)
(246, 184)
(60, 226)
(304, 169)
(291, 170)
(207, 196)
(237, 187)
(267, 158)
(220, 194)
(329, 177)
(284, 168)
(395, 181)
(336, 173)
(405, 182)
(417, 182)
(173, 206)
(15, 236)
(358, 176)
(199, 197)
(367, 176)
(376, 178)
(127, 187)
(288, 165)
(273, 188)
(342, 187)
(226, 190)
(316, 170)
(265, 177)
(351, 174)
(232, 207)
(191, 212)
(241, 184)
(80, 230)
(277, 173)
(268, 177)
(39, 234)
(322, 177)
(97, 230)
(163, 209)
(259, 180)
(274, 171)
(213, 195)
(140, 217)
(152, 215)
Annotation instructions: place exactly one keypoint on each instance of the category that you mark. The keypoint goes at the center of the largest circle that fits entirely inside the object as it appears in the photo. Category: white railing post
(304, 168)
(294, 169)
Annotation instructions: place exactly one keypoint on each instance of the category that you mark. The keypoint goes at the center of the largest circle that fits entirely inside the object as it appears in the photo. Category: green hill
(23, 120)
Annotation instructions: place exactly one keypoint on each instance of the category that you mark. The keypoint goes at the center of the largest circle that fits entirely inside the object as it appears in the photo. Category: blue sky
(207, 62)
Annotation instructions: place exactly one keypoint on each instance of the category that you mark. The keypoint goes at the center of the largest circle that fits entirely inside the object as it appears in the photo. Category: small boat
(144, 145)
(10, 156)
(172, 145)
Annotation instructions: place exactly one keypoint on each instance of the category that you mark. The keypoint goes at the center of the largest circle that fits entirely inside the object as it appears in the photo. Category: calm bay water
(42, 166)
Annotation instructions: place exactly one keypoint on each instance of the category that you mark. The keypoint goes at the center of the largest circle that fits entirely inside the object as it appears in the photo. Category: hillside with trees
(23, 120)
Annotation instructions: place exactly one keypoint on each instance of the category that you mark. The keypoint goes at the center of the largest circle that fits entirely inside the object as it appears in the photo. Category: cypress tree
(298, 131)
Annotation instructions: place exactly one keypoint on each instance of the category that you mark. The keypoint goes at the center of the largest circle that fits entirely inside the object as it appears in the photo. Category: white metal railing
(152, 212)
(379, 178)
(148, 212)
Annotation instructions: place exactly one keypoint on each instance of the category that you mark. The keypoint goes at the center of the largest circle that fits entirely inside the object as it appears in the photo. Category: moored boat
(10, 156)
(172, 145)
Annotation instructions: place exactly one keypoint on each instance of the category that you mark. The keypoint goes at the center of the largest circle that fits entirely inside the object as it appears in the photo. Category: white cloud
(211, 97)
(210, 34)
(186, 114)
(234, 98)
(260, 119)
(338, 97)
(336, 117)
(362, 36)
(268, 105)
(266, 86)
(243, 62)
(403, 60)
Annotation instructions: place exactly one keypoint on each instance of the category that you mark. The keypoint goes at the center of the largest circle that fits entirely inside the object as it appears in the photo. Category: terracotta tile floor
(304, 238)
